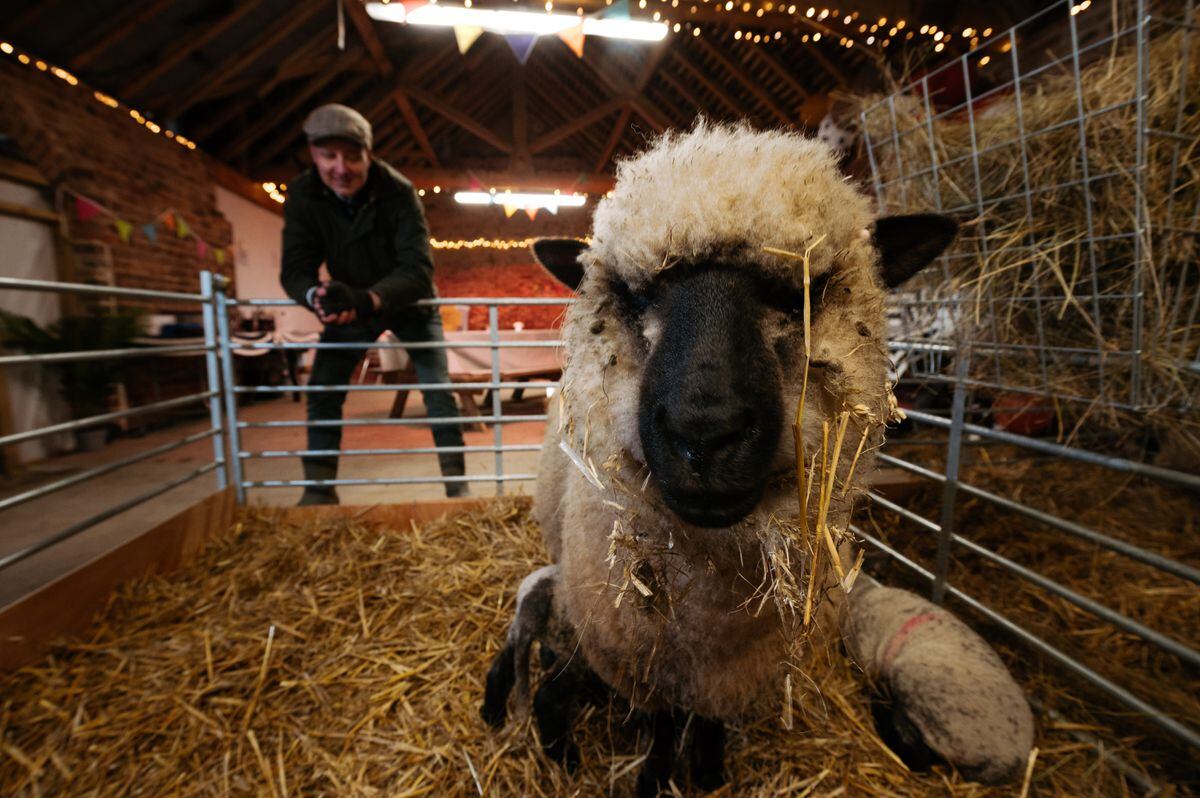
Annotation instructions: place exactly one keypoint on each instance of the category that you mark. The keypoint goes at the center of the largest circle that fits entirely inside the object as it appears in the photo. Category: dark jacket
(383, 247)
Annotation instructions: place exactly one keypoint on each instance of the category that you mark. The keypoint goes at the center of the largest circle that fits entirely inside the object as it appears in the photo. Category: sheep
(734, 283)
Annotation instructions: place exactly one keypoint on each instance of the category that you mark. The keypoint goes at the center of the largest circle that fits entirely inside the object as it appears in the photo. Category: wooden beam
(405, 106)
(597, 114)
(302, 62)
(182, 47)
(297, 98)
(739, 73)
(614, 138)
(233, 109)
(282, 142)
(520, 119)
(300, 14)
(683, 91)
(440, 106)
(778, 69)
(18, 211)
(366, 31)
(708, 83)
(237, 183)
(626, 92)
(125, 23)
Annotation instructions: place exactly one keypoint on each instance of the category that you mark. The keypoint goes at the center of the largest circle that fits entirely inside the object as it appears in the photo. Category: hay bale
(341, 657)
(1046, 248)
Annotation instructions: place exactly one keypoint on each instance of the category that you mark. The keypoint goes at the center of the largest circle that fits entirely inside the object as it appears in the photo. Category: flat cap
(341, 121)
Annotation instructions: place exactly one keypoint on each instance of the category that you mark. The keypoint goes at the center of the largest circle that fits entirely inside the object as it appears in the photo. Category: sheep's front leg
(949, 691)
(532, 621)
(656, 772)
(708, 753)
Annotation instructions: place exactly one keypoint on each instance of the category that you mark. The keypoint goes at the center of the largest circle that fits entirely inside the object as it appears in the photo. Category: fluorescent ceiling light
(517, 21)
(523, 200)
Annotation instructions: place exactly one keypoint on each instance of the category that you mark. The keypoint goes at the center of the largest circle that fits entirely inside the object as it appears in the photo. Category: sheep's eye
(789, 299)
(633, 302)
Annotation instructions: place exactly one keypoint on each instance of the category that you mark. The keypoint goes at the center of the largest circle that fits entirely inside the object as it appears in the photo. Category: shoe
(314, 495)
(457, 490)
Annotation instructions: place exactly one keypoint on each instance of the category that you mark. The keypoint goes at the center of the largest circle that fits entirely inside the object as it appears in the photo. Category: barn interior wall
(83, 147)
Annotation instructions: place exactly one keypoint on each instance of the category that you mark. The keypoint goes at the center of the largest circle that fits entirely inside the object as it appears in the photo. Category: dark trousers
(337, 367)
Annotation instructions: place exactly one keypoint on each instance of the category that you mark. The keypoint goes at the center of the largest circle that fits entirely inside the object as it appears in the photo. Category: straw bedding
(1019, 253)
(370, 681)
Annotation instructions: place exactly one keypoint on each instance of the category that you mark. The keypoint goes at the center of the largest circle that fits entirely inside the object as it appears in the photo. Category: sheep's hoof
(708, 754)
(500, 679)
(931, 721)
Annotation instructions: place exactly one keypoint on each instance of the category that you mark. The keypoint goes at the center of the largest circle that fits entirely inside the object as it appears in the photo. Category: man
(362, 219)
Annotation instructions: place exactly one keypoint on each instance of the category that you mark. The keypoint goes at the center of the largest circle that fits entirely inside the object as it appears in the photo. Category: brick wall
(82, 145)
(498, 272)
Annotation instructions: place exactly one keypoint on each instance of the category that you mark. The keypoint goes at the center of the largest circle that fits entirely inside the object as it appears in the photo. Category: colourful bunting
(168, 219)
(521, 44)
(124, 229)
(181, 228)
(573, 37)
(201, 247)
(509, 210)
(618, 10)
(466, 35)
(219, 255)
(85, 209)
(150, 231)
(531, 212)
(412, 5)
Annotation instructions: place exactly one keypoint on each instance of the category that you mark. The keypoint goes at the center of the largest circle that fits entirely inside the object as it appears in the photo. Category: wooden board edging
(69, 604)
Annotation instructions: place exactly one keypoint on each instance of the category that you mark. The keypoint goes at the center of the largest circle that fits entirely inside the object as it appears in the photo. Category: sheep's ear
(560, 256)
(908, 244)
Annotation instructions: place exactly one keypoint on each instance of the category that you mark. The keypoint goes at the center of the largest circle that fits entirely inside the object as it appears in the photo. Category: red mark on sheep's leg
(901, 636)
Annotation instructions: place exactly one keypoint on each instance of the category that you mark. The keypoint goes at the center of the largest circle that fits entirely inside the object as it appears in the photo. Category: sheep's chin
(711, 510)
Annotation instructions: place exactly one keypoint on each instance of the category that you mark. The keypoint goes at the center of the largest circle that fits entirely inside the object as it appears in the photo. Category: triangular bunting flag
(466, 35)
(474, 183)
(412, 5)
(618, 10)
(219, 255)
(531, 212)
(124, 229)
(553, 209)
(573, 37)
(150, 231)
(86, 209)
(521, 44)
(201, 248)
(509, 210)
(168, 219)
(181, 228)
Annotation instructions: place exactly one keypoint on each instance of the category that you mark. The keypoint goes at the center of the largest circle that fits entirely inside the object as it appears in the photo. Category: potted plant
(86, 385)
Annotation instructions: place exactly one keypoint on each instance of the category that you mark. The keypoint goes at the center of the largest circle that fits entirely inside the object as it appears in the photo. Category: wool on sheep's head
(739, 216)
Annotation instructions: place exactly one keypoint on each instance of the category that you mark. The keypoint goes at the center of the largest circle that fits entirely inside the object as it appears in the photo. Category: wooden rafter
(220, 118)
(383, 62)
(708, 83)
(125, 24)
(740, 74)
(440, 106)
(301, 14)
(292, 131)
(761, 55)
(624, 90)
(177, 51)
(300, 63)
(267, 123)
(522, 156)
(682, 90)
(614, 138)
(577, 123)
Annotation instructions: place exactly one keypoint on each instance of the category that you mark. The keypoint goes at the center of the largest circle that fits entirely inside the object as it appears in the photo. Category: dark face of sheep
(710, 411)
(710, 407)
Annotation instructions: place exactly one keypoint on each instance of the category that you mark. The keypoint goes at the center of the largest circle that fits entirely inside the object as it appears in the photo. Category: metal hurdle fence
(496, 418)
(211, 395)
(961, 348)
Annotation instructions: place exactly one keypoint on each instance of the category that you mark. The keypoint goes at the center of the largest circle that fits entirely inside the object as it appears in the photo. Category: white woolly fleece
(727, 191)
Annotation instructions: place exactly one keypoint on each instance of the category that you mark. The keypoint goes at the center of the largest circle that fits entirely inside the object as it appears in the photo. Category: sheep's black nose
(706, 435)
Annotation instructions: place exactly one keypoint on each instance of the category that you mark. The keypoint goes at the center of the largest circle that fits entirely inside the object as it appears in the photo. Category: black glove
(340, 298)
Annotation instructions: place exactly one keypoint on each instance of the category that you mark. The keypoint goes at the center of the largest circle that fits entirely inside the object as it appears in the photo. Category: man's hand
(337, 303)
